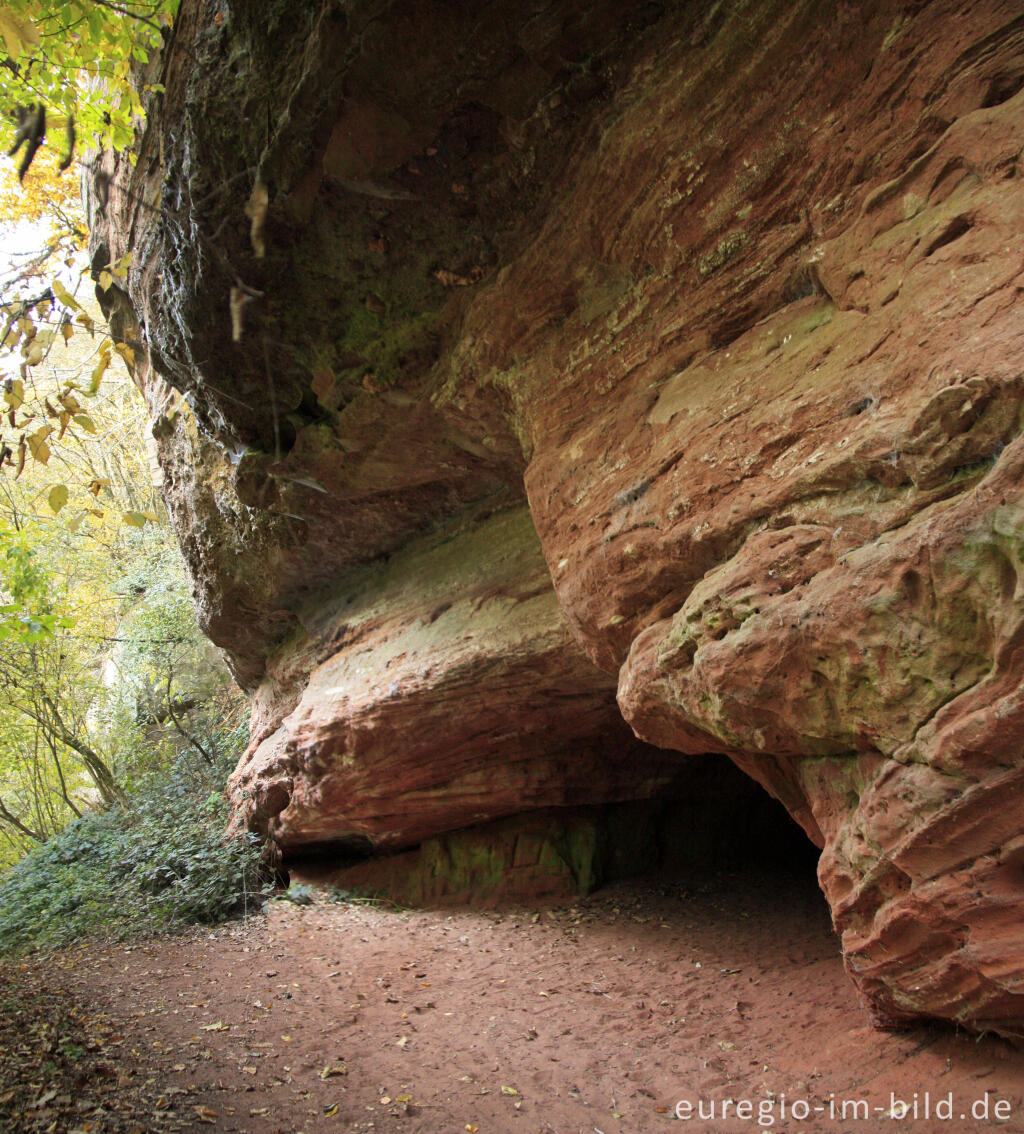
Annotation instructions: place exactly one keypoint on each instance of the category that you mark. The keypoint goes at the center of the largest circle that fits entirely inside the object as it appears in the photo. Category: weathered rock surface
(450, 693)
(735, 293)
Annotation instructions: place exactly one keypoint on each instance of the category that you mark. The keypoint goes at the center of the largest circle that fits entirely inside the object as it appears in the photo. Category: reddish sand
(599, 1017)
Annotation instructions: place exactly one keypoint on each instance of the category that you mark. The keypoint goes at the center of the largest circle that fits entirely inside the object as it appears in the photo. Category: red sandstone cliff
(729, 298)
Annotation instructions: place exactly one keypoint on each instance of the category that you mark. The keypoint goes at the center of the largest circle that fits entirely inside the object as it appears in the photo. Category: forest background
(118, 720)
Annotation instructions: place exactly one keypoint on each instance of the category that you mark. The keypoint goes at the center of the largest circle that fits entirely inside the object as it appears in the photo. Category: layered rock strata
(444, 690)
(733, 293)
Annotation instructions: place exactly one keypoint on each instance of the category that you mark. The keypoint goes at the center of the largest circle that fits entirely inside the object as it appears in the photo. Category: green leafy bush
(156, 862)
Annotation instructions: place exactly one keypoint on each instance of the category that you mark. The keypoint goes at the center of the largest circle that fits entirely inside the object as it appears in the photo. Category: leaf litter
(597, 1016)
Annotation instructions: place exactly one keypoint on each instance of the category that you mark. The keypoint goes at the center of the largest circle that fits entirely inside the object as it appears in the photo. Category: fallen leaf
(220, 1026)
(509, 1091)
(337, 1069)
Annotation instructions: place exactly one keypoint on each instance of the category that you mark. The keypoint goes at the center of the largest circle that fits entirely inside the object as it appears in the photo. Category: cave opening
(717, 816)
(710, 822)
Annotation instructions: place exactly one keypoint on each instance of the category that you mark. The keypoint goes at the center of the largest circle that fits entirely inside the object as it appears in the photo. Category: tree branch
(17, 824)
(181, 729)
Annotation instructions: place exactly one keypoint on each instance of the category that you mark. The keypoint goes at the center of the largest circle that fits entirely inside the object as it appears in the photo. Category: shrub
(157, 862)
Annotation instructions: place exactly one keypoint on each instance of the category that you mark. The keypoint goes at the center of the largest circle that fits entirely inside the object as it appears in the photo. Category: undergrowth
(157, 862)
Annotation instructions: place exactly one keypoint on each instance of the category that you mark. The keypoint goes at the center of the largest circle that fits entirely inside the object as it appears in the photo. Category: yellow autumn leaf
(86, 422)
(37, 445)
(57, 497)
(99, 371)
(126, 352)
(14, 393)
(66, 330)
(33, 353)
(65, 296)
(509, 1091)
(16, 32)
(105, 280)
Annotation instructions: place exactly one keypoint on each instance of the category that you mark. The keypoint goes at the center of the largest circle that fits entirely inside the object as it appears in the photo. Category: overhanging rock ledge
(673, 347)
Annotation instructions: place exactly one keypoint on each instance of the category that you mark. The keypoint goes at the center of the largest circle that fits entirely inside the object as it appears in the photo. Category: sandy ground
(599, 1017)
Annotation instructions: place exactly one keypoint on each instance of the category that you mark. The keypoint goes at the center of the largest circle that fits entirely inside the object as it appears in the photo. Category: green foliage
(156, 862)
(76, 57)
(104, 675)
(28, 612)
(171, 690)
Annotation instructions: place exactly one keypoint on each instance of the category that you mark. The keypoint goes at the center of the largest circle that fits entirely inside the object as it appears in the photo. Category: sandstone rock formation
(444, 689)
(730, 296)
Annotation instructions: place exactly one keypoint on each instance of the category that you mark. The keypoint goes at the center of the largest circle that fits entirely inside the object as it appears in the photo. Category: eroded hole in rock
(712, 818)
(1002, 88)
(956, 228)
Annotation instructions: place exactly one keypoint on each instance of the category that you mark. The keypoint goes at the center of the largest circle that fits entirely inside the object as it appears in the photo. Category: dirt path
(599, 1017)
